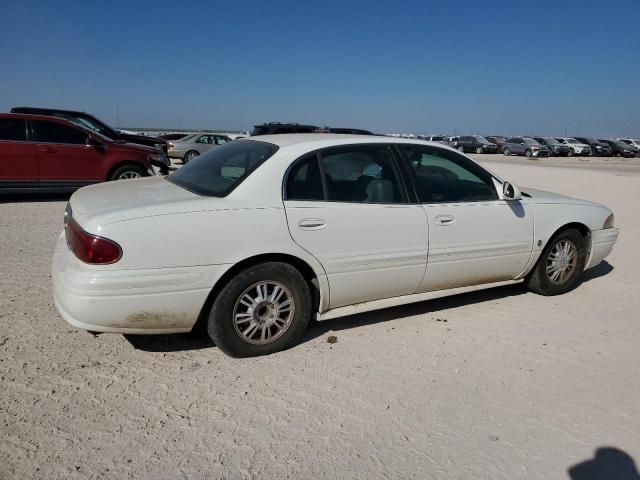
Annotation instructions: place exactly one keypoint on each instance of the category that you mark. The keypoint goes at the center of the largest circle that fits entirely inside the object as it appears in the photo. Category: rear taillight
(90, 248)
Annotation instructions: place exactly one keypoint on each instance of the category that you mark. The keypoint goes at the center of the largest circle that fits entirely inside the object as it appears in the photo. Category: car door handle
(444, 220)
(312, 224)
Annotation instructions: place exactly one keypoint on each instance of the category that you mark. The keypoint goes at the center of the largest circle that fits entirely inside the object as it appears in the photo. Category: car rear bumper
(163, 300)
(602, 242)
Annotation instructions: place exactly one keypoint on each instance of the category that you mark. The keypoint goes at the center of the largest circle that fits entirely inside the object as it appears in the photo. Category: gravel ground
(500, 384)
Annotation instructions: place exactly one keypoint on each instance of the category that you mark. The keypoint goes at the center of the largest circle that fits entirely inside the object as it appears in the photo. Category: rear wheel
(127, 171)
(461, 149)
(561, 264)
(262, 310)
(190, 155)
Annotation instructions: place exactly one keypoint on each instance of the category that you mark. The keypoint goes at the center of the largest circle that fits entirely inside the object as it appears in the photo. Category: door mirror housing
(92, 142)
(510, 192)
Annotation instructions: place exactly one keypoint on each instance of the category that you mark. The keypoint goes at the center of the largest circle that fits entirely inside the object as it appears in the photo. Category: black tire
(506, 151)
(539, 282)
(190, 155)
(461, 149)
(479, 150)
(527, 153)
(127, 171)
(571, 153)
(220, 322)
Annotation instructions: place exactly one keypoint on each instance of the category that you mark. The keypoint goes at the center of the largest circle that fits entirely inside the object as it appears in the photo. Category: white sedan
(278, 230)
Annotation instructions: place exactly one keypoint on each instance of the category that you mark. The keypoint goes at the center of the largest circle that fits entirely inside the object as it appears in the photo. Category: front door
(18, 166)
(348, 207)
(64, 158)
(474, 237)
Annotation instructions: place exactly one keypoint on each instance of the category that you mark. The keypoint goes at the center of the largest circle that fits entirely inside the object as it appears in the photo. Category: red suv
(41, 152)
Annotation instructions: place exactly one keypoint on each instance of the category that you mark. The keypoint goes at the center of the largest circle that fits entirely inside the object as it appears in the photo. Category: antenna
(117, 115)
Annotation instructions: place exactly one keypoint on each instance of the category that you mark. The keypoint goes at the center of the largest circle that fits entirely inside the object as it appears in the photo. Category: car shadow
(607, 463)
(173, 342)
(198, 340)
(600, 270)
(33, 197)
(317, 329)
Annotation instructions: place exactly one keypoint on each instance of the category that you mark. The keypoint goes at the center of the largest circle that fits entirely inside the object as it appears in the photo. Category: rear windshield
(217, 172)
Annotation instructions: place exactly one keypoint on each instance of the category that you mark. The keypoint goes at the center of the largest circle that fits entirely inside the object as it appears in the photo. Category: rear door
(349, 207)
(18, 164)
(64, 158)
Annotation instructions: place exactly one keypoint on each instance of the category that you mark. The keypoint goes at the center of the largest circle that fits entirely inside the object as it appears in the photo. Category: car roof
(35, 110)
(328, 139)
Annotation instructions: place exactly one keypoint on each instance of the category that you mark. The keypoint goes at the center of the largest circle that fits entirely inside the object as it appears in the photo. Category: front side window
(443, 176)
(204, 139)
(217, 172)
(221, 140)
(52, 132)
(365, 174)
(12, 129)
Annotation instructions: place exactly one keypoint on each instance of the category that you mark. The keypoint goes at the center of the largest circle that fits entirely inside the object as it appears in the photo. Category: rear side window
(362, 174)
(12, 129)
(305, 181)
(52, 132)
(217, 172)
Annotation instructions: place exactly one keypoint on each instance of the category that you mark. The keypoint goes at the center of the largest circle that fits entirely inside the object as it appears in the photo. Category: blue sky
(488, 67)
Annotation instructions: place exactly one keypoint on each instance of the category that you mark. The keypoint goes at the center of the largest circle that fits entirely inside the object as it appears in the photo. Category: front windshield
(217, 172)
(572, 140)
(549, 140)
(531, 141)
(481, 139)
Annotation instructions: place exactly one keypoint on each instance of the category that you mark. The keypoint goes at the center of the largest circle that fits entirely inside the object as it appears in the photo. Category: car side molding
(406, 299)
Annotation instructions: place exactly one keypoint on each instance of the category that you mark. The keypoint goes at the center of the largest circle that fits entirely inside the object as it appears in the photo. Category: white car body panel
(364, 259)
(466, 251)
(369, 255)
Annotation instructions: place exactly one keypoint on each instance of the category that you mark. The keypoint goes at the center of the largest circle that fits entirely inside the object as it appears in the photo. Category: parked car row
(534, 146)
(54, 149)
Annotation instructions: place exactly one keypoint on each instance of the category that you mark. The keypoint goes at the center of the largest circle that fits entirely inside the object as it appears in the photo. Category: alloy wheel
(263, 312)
(561, 262)
(129, 174)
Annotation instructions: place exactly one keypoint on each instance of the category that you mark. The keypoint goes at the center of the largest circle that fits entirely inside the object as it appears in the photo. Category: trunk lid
(110, 202)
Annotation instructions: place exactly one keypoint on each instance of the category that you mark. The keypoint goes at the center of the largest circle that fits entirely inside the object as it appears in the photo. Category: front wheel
(127, 171)
(262, 310)
(561, 264)
(571, 153)
(528, 153)
(507, 152)
(479, 150)
(461, 149)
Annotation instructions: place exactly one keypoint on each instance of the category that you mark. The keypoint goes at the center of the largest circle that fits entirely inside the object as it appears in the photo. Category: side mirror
(92, 142)
(510, 191)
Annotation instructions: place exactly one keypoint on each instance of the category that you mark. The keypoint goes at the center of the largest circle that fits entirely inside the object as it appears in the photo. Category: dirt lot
(501, 384)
